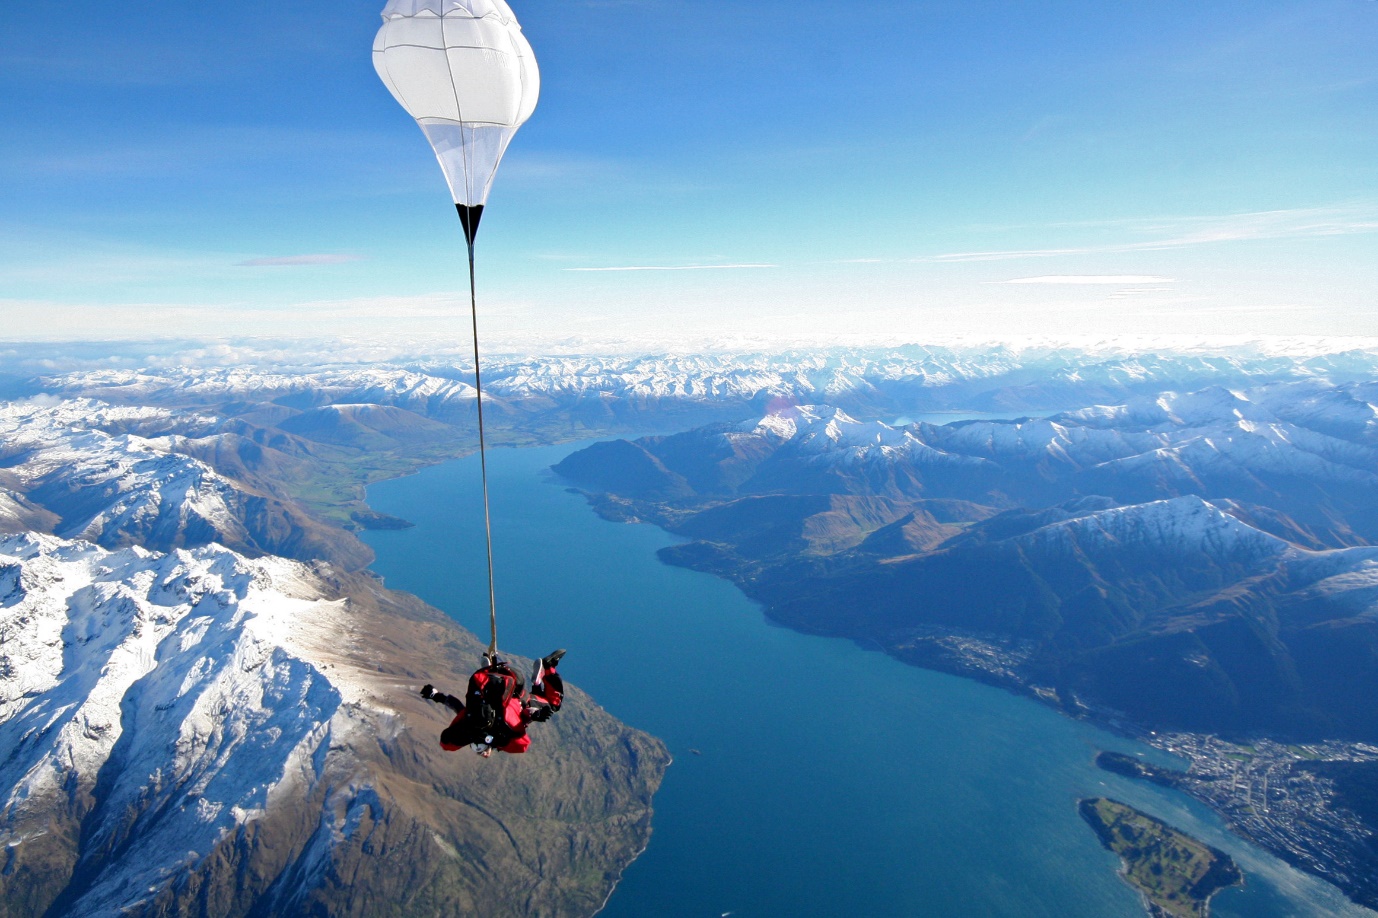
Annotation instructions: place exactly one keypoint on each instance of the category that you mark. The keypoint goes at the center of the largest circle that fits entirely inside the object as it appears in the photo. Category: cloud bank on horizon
(1169, 170)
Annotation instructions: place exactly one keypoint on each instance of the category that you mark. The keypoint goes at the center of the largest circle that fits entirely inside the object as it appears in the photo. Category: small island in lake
(1176, 874)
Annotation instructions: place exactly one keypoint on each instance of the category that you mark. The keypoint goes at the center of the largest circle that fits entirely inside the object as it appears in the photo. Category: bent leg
(551, 689)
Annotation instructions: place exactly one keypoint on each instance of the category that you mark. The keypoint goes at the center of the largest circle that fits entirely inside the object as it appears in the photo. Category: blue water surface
(812, 777)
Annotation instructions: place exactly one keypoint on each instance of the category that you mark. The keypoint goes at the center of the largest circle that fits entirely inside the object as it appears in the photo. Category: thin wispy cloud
(176, 150)
(742, 267)
(1194, 231)
(1080, 279)
(292, 261)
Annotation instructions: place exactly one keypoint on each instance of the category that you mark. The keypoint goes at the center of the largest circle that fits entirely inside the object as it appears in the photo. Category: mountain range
(595, 393)
(1195, 561)
(1190, 567)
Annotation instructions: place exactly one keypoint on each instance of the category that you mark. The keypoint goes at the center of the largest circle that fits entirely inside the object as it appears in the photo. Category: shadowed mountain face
(1198, 561)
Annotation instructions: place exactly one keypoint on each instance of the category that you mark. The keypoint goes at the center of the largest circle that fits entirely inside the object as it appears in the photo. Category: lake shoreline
(991, 660)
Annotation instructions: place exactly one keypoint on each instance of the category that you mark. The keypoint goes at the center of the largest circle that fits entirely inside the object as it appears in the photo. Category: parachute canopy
(465, 72)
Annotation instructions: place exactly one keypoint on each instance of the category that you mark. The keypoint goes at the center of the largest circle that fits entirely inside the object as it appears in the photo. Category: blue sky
(886, 169)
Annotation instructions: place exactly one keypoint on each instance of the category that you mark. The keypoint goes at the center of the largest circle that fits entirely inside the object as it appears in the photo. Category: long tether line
(483, 463)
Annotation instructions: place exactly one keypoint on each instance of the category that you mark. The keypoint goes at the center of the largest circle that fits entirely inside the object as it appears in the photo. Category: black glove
(427, 691)
(539, 713)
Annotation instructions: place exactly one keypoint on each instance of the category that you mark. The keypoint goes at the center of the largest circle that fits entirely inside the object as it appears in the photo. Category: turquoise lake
(932, 796)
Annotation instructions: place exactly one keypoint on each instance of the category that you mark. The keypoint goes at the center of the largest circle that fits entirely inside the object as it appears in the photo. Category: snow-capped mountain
(120, 489)
(196, 732)
(191, 724)
(1180, 526)
(187, 387)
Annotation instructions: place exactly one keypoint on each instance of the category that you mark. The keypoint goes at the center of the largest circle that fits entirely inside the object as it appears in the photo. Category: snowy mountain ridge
(200, 733)
(191, 724)
(849, 376)
(1185, 436)
(1187, 531)
(115, 485)
(184, 687)
(72, 468)
(1185, 525)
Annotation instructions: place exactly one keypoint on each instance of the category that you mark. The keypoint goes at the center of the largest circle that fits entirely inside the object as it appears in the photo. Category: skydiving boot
(552, 686)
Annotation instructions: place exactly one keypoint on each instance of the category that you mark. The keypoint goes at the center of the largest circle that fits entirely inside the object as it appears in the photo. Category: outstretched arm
(450, 701)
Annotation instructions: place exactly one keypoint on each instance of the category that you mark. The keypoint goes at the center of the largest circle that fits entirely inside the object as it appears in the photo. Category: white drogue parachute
(465, 72)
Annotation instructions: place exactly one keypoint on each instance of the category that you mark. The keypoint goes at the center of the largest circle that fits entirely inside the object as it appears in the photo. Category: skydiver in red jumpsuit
(497, 709)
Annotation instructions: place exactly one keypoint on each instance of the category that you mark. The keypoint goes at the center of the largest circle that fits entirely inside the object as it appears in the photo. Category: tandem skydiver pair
(497, 708)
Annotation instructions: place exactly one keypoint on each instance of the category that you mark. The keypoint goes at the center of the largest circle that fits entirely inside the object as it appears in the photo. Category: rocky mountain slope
(196, 732)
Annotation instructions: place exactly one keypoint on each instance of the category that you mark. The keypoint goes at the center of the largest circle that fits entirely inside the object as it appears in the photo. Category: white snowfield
(185, 690)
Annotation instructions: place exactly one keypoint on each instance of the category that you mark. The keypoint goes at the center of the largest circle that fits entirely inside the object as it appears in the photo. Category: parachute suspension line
(482, 447)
